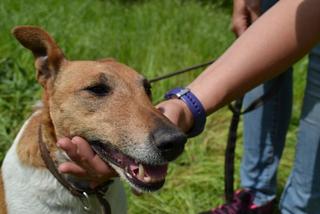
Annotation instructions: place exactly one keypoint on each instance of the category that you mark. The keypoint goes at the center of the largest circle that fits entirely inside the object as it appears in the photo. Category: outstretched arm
(280, 37)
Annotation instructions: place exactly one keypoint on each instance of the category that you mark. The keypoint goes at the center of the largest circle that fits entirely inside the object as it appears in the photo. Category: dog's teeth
(147, 179)
(141, 172)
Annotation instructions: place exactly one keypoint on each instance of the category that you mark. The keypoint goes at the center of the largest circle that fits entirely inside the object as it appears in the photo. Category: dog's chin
(143, 177)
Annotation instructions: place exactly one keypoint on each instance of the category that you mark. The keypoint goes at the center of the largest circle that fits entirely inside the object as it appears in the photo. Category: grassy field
(153, 37)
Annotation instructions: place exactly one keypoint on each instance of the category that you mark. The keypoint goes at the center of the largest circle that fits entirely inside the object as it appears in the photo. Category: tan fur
(41, 45)
(28, 147)
(137, 112)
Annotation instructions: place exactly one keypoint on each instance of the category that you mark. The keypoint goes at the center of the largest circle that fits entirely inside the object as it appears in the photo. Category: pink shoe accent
(253, 206)
(242, 204)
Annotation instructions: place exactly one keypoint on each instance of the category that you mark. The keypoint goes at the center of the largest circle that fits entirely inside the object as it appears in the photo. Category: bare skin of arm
(277, 39)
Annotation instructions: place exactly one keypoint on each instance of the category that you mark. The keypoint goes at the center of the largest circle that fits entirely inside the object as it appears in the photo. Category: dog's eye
(147, 87)
(99, 89)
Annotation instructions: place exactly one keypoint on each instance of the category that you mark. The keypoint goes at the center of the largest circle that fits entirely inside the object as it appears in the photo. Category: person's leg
(302, 192)
(264, 137)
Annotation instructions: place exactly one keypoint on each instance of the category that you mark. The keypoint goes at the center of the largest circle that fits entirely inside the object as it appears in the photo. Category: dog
(103, 101)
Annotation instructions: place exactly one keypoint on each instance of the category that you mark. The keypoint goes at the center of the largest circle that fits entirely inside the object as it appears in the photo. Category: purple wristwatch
(195, 106)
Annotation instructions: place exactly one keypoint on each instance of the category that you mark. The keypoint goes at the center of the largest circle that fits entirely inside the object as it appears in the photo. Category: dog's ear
(48, 56)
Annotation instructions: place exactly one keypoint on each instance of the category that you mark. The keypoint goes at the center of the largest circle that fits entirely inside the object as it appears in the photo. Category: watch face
(182, 92)
(172, 93)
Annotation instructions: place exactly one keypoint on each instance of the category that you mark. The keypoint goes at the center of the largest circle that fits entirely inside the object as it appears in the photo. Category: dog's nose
(170, 142)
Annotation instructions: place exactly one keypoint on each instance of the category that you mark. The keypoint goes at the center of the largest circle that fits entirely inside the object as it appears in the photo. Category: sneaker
(242, 204)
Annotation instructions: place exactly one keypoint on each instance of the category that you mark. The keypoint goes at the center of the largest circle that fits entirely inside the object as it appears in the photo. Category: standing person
(281, 36)
(265, 130)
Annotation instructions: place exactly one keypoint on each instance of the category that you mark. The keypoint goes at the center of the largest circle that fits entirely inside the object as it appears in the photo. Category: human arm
(280, 37)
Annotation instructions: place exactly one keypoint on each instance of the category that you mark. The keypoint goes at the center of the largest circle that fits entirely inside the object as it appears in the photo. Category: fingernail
(74, 140)
(60, 169)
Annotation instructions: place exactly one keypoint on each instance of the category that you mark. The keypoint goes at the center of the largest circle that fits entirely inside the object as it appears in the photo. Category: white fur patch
(30, 190)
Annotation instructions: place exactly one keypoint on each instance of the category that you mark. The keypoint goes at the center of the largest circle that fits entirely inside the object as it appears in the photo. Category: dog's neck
(28, 146)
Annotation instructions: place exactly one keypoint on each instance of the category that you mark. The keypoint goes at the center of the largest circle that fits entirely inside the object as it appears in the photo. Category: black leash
(235, 107)
(178, 72)
(229, 156)
(232, 135)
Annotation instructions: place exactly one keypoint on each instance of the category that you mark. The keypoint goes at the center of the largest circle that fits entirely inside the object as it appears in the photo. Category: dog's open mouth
(142, 176)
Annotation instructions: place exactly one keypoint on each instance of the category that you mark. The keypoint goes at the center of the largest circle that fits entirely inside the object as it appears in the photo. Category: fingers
(254, 12)
(239, 26)
(254, 8)
(101, 167)
(89, 159)
(69, 147)
(86, 163)
(72, 168)
(84, 152)
(240, 17)
(164, 108)
(177, 112)
(245, 12)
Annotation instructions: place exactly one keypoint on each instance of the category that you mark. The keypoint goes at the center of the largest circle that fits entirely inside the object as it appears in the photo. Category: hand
(245, 12)
(178, 113)
(85, 163)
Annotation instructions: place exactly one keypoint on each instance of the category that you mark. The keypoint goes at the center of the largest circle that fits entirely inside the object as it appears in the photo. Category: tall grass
(153, 37)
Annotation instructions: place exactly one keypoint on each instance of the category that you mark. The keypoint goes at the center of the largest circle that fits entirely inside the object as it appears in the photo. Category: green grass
(154, 37)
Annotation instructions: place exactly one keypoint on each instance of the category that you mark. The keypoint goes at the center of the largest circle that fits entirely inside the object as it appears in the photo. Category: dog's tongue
(143, 172)
(147, 173)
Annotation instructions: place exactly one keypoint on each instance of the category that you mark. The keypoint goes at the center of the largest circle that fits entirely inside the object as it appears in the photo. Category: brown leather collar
(80, 193)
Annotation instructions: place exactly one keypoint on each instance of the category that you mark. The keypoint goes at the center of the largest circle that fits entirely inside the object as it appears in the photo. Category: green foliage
(154, 37)
(17, 89)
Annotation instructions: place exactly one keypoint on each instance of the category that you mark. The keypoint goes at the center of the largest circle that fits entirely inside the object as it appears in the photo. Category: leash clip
(85, 202)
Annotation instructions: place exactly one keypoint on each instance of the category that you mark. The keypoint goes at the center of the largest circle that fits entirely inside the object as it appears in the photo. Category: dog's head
(108, 104)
